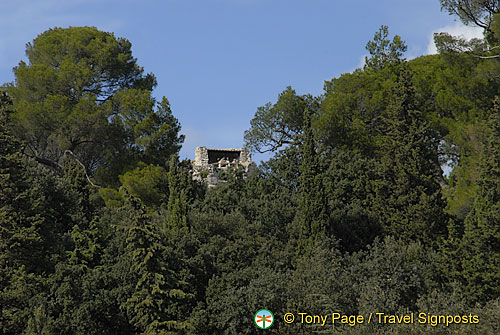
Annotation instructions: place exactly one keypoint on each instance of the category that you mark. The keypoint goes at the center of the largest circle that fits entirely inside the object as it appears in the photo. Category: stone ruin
(210, 165)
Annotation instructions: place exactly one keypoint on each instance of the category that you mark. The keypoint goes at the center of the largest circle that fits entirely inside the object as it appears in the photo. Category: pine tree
(410, 203)
(481, 240)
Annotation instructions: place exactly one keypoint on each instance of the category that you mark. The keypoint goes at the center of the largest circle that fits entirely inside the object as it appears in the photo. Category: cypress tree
(70, 301)
(311, 217)
(20, 239)
(16, 232)
(481, 240)
(153, 307)
(177, 200)
(410, 202)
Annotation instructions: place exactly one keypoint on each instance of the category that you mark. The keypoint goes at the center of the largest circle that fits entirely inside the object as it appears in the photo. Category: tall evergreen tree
(481, 241)
(312, 217)
(16, 232)
(153, 307)
(178, 187)
(29, 224)
(410, 203)
(349, 192)
(69, 305)
(16, 236)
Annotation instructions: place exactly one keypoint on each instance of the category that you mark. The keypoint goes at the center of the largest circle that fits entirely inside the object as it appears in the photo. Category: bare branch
(485, 57)
(83, 166)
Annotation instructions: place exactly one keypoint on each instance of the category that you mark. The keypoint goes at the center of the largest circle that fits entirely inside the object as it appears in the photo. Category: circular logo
(263, 319)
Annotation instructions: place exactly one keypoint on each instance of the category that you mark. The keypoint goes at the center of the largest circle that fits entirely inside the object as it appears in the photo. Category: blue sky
(218, 60)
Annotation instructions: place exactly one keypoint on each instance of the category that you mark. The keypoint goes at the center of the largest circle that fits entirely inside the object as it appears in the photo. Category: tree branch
(485, 57)
(47, 162)
(470, 15)
(83, 166)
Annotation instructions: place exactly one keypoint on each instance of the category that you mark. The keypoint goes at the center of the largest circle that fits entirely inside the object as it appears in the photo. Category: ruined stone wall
(201, 156)
(208, 172)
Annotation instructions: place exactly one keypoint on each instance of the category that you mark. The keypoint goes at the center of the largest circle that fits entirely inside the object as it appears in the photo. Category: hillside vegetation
(103, 230)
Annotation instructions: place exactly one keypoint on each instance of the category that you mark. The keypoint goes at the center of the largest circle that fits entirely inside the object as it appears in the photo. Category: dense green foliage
(352, 214)
(83, 92)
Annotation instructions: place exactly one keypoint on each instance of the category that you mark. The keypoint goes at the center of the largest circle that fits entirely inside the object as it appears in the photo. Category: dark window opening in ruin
(214, 156)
